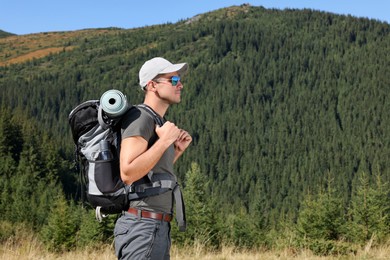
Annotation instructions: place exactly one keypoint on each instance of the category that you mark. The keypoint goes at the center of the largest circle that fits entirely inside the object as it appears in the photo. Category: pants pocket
(120, 237)
(151, 242)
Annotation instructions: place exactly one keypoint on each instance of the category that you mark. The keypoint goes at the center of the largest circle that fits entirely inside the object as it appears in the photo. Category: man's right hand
(168, 132)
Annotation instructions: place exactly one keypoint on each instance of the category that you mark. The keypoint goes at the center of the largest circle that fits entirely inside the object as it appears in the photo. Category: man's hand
(183, 141)
(181, 144)
(168, 132)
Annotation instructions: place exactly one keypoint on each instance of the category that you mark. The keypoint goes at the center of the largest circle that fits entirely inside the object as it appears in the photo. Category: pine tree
(91, 231)
(322, 216)
(201, 216)
(10, 145)
(370, 211)
(11, 140)
(60, 232)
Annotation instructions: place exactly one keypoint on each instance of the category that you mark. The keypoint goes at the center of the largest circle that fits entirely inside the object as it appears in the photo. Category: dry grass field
(22, 48)
(31, 248)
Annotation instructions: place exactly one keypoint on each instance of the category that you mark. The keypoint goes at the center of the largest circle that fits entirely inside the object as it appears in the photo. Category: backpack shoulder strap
(157, 118)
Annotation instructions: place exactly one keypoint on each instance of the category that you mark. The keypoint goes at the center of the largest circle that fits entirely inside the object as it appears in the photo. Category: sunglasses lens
(175, 80)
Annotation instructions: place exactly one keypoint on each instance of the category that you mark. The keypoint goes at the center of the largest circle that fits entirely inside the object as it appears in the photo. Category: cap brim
(181, 68)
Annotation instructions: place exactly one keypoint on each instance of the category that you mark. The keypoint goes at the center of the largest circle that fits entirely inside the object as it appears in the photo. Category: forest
(288, 109)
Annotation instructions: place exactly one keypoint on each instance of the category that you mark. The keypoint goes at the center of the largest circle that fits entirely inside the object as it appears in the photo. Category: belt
(150, 214)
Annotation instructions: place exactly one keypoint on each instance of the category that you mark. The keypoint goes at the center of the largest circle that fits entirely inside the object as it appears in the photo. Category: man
(143, 232)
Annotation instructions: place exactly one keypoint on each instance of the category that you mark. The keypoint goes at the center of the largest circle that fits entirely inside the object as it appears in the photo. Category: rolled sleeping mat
(114, 103)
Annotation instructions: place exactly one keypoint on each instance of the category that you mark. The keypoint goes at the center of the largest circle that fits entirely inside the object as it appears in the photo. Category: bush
(6, 230)
(239, 232)
(327, 247)
(92, 233)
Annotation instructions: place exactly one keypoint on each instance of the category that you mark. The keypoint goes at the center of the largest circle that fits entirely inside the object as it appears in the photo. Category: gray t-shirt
(138, 122)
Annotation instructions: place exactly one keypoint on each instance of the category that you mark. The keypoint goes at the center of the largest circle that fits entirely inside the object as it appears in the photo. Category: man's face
(168, 87)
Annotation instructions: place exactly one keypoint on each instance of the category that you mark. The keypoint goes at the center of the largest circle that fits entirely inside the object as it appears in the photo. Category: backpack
(96, 132)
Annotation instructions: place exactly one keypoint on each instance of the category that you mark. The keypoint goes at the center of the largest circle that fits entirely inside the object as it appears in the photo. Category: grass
(29, 247)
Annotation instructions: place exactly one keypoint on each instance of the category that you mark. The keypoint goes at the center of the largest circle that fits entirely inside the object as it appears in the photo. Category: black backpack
(97, 137)
(100, 175)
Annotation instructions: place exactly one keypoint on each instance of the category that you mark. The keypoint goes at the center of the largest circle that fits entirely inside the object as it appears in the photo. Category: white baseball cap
(156, 66)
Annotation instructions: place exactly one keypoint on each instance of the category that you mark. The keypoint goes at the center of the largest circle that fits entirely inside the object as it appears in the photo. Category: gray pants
(141, 238)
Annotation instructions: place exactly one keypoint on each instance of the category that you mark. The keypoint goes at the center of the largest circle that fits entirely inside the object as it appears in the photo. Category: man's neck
(158, 107)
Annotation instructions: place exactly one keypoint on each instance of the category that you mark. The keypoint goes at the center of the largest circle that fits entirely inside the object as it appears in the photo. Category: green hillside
(281, 104)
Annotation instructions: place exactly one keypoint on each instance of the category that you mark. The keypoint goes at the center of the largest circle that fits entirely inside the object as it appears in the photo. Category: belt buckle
(139, 214)
(166, 217)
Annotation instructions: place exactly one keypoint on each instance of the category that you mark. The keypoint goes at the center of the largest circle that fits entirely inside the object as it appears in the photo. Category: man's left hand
(183, 141)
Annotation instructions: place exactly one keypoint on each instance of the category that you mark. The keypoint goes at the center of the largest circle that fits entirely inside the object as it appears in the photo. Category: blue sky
(34, 16)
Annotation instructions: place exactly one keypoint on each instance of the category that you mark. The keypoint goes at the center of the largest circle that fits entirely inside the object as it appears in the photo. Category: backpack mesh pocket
(106, 177)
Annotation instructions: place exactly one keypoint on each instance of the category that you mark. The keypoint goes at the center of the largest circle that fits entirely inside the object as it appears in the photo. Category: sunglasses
(174, 80)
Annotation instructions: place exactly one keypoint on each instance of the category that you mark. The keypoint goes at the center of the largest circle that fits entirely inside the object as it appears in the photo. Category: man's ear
(152, 86)
(149, 85)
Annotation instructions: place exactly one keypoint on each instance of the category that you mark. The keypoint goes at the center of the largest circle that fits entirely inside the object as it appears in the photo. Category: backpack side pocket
(106, 177)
